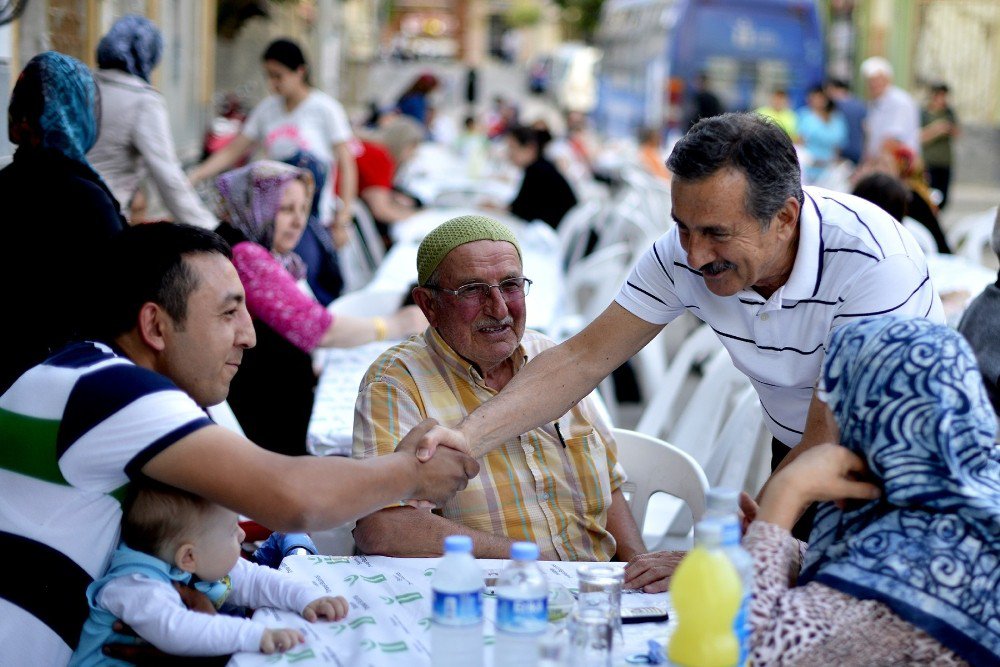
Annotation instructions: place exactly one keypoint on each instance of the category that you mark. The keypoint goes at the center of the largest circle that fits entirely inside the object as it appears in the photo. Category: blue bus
(653, 50)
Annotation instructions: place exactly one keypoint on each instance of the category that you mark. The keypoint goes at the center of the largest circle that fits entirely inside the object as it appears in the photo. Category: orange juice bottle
(705, 593)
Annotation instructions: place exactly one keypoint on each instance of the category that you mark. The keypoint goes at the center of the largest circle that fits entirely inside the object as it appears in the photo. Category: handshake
(442, 463)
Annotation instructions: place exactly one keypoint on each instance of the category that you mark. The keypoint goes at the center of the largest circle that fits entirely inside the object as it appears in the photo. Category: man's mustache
(489, 323)
(715, 268)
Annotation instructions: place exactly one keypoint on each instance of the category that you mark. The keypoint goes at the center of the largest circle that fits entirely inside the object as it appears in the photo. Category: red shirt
(376, 168)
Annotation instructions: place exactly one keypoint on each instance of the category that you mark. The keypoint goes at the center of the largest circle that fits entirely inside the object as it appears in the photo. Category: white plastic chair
(922, 235)
(655, 466)
(664, 404)
(742, 448)
(574, 231)
(970, 236)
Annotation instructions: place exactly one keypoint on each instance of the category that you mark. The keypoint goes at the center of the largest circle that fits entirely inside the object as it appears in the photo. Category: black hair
(750, 143)
(146, 264)
(529, 136)
(939, 87)
(819, 90)
(287, 53)
(885, 191)
(837, 83)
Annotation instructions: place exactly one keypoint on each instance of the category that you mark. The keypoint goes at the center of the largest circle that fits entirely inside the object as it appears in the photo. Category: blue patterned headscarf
(54, 106)
(132, 45)
(908, 398)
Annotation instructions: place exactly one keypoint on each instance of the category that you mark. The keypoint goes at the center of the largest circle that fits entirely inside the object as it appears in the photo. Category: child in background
(168, 536)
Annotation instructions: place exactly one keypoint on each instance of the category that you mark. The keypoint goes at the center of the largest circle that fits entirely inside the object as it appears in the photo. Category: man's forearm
(554, 381)
(406, 532)
(621, 524)
(818, 430)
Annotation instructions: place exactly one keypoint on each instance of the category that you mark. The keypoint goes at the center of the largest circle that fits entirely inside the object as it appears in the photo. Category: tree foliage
(582, 16)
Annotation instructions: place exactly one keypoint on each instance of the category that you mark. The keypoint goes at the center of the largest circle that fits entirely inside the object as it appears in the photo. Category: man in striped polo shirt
(76, 429)
(771, 266)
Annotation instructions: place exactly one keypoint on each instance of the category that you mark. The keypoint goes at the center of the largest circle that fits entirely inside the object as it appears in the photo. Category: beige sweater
(135, 140)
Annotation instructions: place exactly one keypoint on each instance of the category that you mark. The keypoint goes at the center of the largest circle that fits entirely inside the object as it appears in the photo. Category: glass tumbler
(600, 587)
(591, 637)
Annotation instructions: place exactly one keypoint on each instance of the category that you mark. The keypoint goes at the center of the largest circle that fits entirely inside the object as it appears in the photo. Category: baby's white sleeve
(258, 586)
(155, 611)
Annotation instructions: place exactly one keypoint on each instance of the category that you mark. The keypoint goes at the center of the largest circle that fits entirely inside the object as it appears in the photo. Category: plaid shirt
(533, 487)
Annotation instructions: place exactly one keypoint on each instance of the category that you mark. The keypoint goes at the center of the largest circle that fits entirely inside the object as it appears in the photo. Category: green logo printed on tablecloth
(429, 572)
(298, 656)
(351, 579)
(394, 647)
(364, 620)
(489, 640)
(329, 560)
(425, 623)
(368, 645)
(292, 656)
(402, 599)
(337, 629)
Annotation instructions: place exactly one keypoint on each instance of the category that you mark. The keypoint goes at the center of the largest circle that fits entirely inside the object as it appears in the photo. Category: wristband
(381, 330)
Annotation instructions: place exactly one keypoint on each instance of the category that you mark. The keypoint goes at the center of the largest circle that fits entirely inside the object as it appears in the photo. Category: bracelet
(381, 330)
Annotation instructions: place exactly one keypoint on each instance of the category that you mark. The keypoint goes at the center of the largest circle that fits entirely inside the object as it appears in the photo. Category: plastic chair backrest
(574, 231)
(970, 236)
(365, 223)
(653, 465)
(741, 442)
(922, 235)
(595, 280)
(700, 422)
(663, 406)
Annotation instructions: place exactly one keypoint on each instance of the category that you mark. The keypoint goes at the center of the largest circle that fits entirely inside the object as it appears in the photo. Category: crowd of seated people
(124, 336)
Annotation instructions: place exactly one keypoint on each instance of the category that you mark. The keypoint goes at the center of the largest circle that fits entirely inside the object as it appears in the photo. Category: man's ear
(424, 298)
(184, 557)
(152, 324)
(787, 219)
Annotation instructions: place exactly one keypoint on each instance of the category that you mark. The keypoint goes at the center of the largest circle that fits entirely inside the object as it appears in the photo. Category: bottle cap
(721, 499)
(524, 551)
(458, 544)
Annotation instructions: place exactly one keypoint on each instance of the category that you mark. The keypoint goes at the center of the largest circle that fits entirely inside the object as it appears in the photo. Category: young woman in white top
(296, 117)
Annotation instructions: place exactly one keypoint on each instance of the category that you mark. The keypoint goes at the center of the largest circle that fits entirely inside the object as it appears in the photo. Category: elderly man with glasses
(558, 485)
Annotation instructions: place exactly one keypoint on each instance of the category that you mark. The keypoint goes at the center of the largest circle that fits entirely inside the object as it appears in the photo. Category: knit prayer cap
(455, 232)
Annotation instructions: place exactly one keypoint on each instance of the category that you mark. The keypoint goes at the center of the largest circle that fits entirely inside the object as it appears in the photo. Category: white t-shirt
(895, 115)
(853, 261)
(316, 125)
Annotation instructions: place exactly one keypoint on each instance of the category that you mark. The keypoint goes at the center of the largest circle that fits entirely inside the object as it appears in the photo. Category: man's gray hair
(751, 144)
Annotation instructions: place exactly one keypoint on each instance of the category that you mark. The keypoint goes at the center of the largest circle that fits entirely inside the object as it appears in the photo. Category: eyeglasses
(512, 289)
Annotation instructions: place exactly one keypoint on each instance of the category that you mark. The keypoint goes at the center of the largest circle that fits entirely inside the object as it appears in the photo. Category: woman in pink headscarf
(264, 207)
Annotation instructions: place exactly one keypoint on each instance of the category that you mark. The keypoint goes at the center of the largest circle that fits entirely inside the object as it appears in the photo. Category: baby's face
(217, 547)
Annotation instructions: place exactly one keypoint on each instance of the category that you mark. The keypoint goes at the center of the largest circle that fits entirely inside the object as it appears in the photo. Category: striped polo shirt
(854, 260)
(551, 486)
(73, 432)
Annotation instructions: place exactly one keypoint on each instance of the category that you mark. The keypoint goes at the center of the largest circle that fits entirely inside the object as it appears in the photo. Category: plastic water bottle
(522, 609)
(722, 505)
(705, 592)
(457, 631)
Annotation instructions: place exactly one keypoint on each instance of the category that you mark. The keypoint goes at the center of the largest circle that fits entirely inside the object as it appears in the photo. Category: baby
(168, 536)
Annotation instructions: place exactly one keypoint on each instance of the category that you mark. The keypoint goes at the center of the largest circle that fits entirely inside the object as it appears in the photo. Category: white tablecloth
(390, 618)
(958, 281)
(437, 171)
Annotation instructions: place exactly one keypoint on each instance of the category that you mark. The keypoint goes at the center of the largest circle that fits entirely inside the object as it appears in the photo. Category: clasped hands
(444, 464)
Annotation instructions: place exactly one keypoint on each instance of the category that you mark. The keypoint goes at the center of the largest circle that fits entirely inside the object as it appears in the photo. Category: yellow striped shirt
(531, 488)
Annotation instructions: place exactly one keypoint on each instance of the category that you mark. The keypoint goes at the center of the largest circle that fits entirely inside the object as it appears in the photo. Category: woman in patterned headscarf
(316, 247)
(57, 210)
(908, 572)
(264, 207)
(135, 136)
